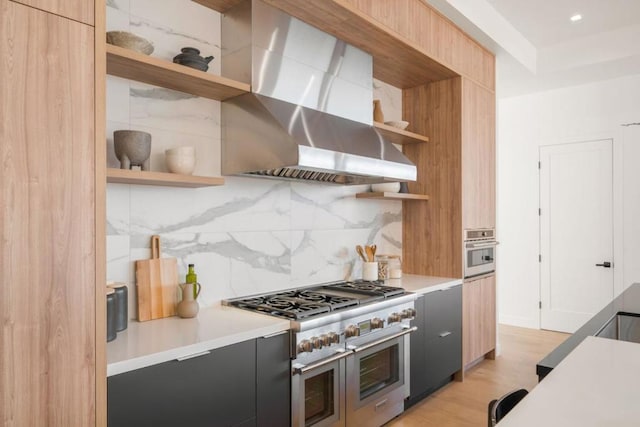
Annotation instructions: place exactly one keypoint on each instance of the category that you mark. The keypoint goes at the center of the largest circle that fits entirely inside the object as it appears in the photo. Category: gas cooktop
(303, 303)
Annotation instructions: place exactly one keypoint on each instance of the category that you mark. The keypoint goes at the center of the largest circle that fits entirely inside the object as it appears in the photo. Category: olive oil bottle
(192, 277)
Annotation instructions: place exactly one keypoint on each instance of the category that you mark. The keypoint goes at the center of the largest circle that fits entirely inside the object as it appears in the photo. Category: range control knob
(351, 331)
(409, 313)
(333, 338)
(326, 340)
(377, 323)
(394, 317)
(305, 346)
(316, 342)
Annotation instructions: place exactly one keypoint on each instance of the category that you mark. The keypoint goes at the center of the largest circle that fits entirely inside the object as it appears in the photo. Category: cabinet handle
(276, 334)
(444, 334)
(192, 356)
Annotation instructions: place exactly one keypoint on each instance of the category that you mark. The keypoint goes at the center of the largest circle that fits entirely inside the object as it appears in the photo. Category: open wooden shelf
(124, 176)
(158, 72)
(392, 196)
(399, 136)
(218, 5)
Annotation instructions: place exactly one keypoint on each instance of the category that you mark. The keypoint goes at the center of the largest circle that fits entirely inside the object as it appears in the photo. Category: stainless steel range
(349, 353)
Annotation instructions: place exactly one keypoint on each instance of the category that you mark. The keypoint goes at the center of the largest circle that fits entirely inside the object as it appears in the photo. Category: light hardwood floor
(462, 404)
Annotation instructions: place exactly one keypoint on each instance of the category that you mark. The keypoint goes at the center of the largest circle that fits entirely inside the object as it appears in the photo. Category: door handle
(605, 264)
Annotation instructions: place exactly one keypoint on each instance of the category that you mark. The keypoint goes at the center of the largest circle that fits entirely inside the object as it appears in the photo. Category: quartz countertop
(423, 284)
(148, 343)
(627, 302)
(595, 385)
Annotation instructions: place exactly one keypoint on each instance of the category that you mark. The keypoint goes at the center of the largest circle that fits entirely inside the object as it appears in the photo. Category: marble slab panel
(118, 210)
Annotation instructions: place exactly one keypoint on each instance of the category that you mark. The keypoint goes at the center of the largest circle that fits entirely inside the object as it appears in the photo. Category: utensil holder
(370, 271)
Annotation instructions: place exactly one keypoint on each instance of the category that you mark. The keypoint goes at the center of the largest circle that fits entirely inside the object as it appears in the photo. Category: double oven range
(349, 352)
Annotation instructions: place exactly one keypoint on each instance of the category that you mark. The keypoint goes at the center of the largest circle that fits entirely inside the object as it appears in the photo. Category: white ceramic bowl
(386, 187)
(181, 160)
(400, 124)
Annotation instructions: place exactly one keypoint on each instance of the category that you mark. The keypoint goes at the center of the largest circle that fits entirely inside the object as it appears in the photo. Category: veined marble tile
(118, 210)
(117, 15)
(182, 16)
(317, 207)
(326, 255)
(168, 42)
(118, 99)
(390, 99)
(160, 108)
(227, 264)
(242, 204)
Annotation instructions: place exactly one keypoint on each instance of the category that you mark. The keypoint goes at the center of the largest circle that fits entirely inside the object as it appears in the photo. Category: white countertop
(148, 343)
(155, 341)
(423, 284)
(595, 385)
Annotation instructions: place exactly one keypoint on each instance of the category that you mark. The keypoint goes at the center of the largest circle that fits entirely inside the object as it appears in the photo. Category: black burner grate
(367, 288)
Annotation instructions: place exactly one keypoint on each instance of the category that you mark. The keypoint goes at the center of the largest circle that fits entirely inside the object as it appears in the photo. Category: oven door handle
(385, 339)
(301, 369)
(482, 245)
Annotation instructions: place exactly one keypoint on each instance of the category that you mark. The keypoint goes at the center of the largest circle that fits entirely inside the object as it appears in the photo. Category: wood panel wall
(436, 35)
(78, 10)
(47, 214)
(432, 232)
(478, 156)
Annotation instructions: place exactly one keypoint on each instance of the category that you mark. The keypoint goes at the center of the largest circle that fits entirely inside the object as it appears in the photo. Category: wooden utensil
(360, 251)
(157, 285)
(370, 253)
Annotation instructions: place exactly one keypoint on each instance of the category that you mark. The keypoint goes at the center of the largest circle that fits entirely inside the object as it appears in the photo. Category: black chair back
(498, 408)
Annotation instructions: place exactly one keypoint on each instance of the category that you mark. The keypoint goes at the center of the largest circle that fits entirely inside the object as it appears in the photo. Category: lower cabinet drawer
(444, 358)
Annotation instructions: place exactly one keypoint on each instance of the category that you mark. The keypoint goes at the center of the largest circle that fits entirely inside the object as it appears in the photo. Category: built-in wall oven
(479, 252)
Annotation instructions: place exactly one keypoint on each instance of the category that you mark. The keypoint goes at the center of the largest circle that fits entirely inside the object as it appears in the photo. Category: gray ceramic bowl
(130, 41)
(132, 148)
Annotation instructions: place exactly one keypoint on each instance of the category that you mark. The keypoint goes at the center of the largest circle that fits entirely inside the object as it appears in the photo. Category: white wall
(579, 113)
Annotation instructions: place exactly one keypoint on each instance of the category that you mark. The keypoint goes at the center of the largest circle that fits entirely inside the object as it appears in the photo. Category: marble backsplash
(250, 235)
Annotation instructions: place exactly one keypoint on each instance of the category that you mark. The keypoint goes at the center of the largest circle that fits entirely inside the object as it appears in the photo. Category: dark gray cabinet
(436, 347)
(245, 384)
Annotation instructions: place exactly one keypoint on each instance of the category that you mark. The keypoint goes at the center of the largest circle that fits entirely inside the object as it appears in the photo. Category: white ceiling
(546, 22)
(538, 47)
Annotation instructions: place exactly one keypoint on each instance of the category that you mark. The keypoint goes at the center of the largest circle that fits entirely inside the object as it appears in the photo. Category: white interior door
(576, 232)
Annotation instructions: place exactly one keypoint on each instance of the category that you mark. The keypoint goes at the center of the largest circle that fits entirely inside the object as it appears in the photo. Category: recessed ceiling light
(575, 18)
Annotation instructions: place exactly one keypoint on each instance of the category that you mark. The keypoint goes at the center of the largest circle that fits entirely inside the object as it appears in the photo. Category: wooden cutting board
(157, 285)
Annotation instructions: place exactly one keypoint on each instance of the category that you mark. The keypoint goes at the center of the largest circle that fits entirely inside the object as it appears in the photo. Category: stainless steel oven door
(377, 380)
(480, 258)
(317, 393)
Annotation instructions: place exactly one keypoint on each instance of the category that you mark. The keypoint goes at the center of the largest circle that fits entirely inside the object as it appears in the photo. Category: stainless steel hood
(309, 115)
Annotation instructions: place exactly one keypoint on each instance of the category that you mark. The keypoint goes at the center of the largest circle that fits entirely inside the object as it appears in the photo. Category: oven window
(318, 398)
(477, 257)
(378, 371)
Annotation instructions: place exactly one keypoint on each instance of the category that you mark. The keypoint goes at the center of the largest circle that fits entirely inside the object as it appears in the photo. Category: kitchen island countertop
(148, 343)
(595, 385)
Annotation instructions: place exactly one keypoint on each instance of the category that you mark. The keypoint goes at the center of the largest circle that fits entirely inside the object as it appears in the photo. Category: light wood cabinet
(478, 319)
(478, 156)
(48, 218)
(78, 10)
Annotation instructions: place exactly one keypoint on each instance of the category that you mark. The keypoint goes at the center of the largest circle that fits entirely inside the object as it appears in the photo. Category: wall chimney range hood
(309, 114)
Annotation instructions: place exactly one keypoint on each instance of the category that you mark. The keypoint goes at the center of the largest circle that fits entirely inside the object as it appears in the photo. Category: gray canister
(122, 305)
(111, 315)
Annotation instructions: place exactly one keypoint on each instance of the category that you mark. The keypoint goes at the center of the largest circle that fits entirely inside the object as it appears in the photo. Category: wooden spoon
(361, 253)
(370, 252)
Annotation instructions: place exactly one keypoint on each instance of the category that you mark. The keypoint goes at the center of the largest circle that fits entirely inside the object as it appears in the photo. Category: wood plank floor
(462, 404)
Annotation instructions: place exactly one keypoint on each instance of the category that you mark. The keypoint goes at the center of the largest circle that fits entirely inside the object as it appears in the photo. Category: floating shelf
(399, 136)
(158, 72)
(392, 196)
(124, 176)
(218, 5)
